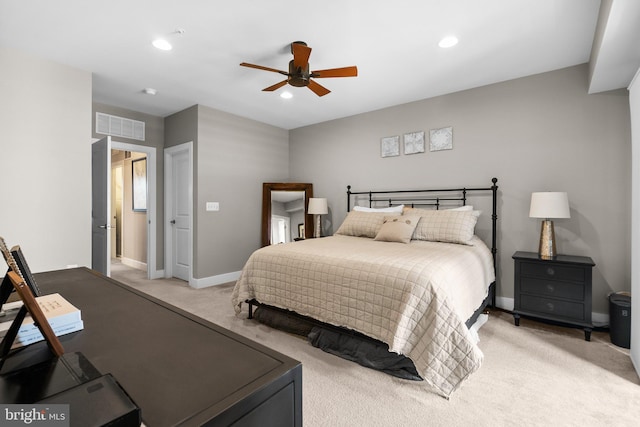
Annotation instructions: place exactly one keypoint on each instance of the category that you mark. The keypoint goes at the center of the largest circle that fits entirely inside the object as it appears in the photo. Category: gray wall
(539, 133)
(134, 238)
(233, 157)
(45, 141)
(154, 137)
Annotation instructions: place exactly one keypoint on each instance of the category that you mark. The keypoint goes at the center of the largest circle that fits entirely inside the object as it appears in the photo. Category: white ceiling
(394, 44)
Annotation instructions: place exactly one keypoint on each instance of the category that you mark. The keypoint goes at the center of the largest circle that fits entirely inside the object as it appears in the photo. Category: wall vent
(106, 124)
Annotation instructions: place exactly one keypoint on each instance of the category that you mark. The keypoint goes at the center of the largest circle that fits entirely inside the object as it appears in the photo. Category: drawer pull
(550, 288)
(550, 306)
(550, 271)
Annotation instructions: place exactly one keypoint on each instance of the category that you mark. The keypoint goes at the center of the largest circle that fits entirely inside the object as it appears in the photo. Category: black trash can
(620, 319)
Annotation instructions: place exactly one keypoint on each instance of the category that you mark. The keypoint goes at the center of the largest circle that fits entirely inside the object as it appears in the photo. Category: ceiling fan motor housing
(298, 77)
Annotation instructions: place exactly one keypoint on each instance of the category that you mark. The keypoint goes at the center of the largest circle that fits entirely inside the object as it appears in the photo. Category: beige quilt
(414, 297)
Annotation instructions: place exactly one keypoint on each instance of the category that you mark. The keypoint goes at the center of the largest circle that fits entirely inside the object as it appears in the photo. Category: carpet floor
(532, 375)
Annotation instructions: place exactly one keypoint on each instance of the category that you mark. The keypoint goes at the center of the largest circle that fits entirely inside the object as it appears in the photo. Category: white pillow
(462, 208)
(395, 209)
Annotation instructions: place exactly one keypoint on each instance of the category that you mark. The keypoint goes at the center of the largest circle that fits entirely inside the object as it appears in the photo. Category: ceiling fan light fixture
(448, 41)
(286, 95)
(162, 44)
(299, 74)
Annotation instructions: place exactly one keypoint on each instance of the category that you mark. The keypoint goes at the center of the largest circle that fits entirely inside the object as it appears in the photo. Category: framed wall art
(390, 146)
(441, 139)
(414, 142)
(139, 184)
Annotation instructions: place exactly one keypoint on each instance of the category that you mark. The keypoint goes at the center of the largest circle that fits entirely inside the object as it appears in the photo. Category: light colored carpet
(532, 375)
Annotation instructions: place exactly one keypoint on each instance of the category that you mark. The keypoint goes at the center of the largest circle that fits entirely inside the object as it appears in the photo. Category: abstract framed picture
(390, 146)
(414, 142)
(441, 139)
(139, 184)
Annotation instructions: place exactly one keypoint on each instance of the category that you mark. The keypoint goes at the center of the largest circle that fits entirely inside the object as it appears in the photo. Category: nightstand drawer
(549, 288)
(552, 307)
(550, 271)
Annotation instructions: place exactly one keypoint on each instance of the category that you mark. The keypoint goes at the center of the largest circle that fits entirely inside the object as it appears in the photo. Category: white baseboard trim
(158, 274)
(598, 319)
(134, 264)
(220, 279)
(504, 303)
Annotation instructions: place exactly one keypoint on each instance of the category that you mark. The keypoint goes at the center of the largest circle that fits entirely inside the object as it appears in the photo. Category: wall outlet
(213, 206)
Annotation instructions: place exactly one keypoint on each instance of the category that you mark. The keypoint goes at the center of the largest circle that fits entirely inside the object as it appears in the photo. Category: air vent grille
(106, 124)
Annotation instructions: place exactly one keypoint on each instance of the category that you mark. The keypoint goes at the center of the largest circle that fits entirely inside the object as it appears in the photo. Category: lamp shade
(318, 206)
(549, 204)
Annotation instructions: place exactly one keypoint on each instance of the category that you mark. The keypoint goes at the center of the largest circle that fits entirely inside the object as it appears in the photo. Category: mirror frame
(267, 188)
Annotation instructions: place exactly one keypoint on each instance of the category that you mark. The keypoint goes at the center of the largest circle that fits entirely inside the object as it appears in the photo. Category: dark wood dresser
(558, 290)
(178, 368)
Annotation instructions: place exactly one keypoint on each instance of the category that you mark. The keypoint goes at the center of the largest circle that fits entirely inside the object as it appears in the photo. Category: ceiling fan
(299, 74)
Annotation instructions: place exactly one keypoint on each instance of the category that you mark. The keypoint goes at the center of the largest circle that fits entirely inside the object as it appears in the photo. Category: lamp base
(317, 230)
(547, 248)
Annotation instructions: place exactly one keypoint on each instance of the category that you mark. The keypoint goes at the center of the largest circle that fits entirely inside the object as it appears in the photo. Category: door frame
(151, 201)
(169, 153)
(150, 152)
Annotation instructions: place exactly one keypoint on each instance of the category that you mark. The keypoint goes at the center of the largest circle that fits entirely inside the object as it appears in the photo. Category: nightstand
(557, 289)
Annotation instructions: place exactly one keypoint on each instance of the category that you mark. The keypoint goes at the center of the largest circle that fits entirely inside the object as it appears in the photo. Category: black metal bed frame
(437, 198)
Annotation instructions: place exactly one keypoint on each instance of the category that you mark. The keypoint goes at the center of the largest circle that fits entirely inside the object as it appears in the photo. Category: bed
(413, 275)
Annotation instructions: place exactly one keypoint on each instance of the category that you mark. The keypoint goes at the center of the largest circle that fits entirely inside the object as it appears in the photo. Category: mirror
(284, 212)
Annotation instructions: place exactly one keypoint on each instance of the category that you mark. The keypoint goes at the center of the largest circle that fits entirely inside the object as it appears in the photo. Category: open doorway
(129, 239)
(101, 200)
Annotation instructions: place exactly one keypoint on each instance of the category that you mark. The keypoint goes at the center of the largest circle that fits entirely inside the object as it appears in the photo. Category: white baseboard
(504, 303)
(134, 264)
(598, 319)
(220, 279)
(158, 274)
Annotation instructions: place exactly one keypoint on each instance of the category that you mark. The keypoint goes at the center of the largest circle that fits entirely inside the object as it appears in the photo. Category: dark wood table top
(178, 368)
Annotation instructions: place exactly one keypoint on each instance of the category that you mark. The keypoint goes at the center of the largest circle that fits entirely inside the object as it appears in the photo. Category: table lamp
(317, 207)
(548, 205)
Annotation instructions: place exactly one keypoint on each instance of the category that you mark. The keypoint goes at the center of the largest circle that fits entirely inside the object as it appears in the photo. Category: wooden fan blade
(317, 88)
(260, 67)
(275, 86)
(301, 55)
(336, 72)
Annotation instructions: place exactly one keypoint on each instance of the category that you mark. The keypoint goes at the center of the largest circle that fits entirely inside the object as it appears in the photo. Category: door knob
(104, 226)
(173, 221)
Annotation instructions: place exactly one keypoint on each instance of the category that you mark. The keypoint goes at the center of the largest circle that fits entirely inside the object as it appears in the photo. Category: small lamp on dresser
(318, 207)
(548, 205)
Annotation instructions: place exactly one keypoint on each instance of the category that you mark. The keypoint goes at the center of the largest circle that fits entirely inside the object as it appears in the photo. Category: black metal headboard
(436, 198)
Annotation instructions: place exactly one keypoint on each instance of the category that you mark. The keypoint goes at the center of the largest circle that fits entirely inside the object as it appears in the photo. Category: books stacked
(63, 317)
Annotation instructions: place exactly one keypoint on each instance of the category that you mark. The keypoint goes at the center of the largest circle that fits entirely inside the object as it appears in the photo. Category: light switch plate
(213, 206)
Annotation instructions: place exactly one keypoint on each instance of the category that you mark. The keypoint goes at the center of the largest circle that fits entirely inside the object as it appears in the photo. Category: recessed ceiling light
(149, 91)
(286, 95)
(448, 41)
(162, 44)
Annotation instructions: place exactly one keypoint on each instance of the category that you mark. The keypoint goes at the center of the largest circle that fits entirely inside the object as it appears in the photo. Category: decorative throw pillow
(397, 228)
(362, 224)
(445, 226)
(389, 209)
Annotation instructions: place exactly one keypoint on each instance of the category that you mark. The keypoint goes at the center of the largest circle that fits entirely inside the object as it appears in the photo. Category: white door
(178, 165)
(101, 205)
